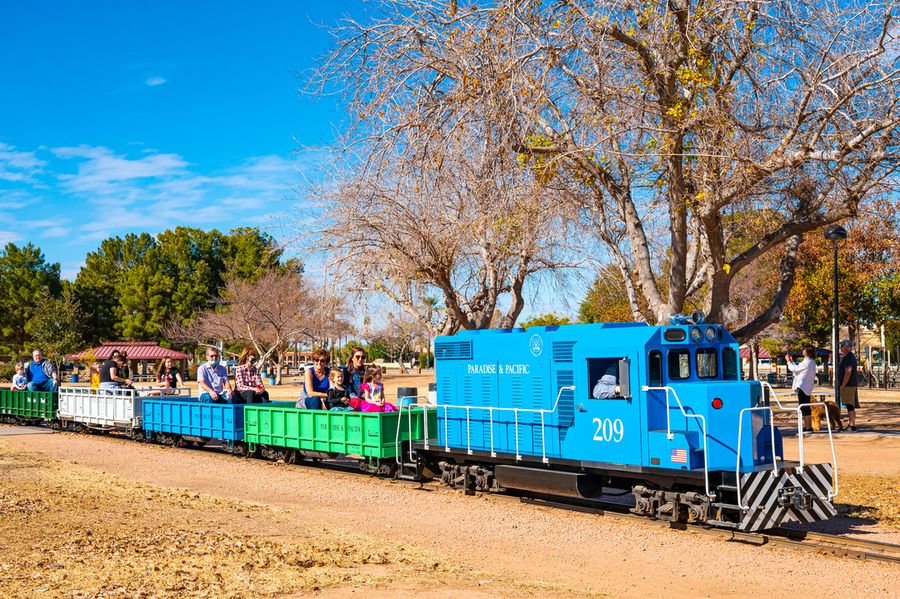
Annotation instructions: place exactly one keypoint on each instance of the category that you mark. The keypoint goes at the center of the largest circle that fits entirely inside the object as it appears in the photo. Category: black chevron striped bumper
(789, 496)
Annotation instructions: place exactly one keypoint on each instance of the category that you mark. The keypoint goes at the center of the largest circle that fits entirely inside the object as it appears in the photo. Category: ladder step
(726, 487)
(727, 506)
(722, 523)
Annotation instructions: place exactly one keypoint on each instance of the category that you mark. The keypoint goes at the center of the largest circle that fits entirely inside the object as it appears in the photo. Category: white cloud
(56, 231)
(7, 236)
(158, 191)
(154, 81)
(102, 173)
(17, 166)
(98, 192)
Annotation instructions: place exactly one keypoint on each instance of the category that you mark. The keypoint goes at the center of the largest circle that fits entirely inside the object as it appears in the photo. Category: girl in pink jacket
(372, 391)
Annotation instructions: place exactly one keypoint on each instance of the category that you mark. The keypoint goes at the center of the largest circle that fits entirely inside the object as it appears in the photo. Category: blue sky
(118, 117)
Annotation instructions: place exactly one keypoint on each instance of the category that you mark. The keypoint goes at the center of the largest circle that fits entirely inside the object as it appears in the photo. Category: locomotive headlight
(717, 403)
(696, 334)
(711, 334)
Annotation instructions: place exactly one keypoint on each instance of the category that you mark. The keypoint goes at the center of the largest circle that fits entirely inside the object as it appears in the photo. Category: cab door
(607, 430)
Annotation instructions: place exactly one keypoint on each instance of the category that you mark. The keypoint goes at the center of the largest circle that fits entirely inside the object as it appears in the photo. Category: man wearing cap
(847, 376)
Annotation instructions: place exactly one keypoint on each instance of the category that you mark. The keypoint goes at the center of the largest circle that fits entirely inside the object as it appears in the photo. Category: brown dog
(834, 414)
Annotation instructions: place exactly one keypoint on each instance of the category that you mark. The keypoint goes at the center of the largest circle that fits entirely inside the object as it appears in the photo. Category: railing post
(516, 414)
(543, 440)
(446, 433)
(491, 418)
(468, 433)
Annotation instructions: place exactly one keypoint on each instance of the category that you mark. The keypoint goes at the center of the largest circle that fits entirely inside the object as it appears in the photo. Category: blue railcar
(173, 421)
(516, 409)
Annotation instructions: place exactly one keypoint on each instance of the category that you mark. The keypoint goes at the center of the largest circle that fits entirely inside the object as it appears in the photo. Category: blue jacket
(49, 369)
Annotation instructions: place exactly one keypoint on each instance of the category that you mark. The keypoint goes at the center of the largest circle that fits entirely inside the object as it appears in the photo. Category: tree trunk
(754, 361)
(785, 284)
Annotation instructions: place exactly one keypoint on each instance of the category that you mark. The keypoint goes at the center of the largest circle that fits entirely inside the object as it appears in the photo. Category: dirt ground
(94, 516)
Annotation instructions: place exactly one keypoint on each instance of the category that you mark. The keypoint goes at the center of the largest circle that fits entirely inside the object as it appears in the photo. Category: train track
(819, 543)
(815, 542)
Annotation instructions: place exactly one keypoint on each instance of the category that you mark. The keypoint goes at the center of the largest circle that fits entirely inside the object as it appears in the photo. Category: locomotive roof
(634, 332)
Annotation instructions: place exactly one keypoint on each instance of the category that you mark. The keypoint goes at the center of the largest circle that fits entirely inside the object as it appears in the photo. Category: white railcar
(108, 409)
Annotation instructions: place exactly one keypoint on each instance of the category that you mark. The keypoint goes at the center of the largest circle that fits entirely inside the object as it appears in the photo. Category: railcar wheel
(239, 449)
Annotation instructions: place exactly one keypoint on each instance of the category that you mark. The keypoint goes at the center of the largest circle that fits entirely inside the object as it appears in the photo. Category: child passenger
(95, 375)
(338, 396)
(372, 391)
(19, 382)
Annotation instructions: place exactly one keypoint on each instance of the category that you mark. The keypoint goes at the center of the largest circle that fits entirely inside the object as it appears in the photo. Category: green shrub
(7, 371)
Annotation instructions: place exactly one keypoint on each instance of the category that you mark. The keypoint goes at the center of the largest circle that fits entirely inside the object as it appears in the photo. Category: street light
(835, 234)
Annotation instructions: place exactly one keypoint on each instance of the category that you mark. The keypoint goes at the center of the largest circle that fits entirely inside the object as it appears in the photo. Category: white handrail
(684, 413)
(737, 468)
(142, 392)
(491, 410)
(409, 408)
(834, 463)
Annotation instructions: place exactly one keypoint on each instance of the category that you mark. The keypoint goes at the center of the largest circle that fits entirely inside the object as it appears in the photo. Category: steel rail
(820, 543)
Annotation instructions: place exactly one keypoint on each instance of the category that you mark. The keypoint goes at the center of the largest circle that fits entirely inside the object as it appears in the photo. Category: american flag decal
(679, 456)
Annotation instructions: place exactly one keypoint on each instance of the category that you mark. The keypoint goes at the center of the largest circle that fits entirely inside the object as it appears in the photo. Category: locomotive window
(679, 364)
(675, 335)
(707, 363)
(729, 364)
(608, 378)
(655, 364)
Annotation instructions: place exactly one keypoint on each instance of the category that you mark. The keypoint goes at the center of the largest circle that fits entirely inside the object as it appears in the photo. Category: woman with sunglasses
(315, 384)
(247, 380)
(355, 374)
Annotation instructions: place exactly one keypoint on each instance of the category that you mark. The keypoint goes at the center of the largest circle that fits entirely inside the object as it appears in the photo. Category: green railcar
(370, 435)
(28, 405)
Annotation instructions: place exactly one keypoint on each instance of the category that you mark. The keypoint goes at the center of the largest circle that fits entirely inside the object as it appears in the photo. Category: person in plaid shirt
(247, 380)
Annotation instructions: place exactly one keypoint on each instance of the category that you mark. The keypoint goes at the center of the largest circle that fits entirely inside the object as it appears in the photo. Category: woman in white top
(804, 379)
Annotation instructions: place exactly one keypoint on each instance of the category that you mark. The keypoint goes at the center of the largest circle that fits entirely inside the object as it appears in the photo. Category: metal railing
(781, 408)
(684, 413)
(409, 407)
(737, 468)
(490, 410)
(155, 391)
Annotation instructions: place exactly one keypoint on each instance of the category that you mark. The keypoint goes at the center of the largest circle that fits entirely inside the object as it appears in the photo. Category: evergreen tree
(24, 276)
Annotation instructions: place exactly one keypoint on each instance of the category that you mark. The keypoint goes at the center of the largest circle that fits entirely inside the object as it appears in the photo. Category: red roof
(745, 353)
(136, 350)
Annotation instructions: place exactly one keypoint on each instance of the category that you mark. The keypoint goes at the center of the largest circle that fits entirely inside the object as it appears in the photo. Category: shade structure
(136, 350)
(762, 353)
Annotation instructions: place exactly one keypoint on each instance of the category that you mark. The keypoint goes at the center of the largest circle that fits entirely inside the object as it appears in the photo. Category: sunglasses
(321, 361)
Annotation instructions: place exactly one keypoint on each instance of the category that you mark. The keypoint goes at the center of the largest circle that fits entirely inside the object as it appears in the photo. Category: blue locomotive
(660, 411)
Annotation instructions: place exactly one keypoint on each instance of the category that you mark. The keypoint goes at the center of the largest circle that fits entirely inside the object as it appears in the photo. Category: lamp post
(835, 234)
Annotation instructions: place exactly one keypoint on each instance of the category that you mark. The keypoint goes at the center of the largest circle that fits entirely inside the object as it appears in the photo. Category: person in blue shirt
(41, 374)
(212, 380)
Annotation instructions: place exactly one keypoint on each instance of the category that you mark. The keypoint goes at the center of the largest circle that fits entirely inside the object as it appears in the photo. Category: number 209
(609, 431)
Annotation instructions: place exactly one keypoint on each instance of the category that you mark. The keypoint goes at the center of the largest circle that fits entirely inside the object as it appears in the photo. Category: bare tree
(450, 243)
(400, 335)
(660, 122)
(273, 313)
